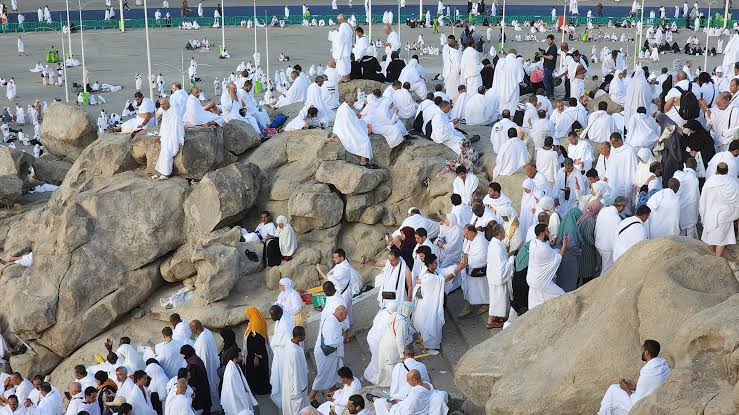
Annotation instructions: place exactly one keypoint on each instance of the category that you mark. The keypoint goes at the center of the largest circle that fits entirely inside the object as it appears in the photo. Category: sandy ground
(113, 57)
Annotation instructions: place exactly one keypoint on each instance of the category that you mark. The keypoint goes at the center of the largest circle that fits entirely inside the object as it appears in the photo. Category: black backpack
(518, 117)
(689, 108)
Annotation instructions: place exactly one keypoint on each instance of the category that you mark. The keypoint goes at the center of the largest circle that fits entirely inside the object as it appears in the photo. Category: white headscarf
(158, 380)
(527, 203)
(289, 299)
(601, 191)
(547, 203)
(638, 94)
(645, 158)
(617, 89)
(286, 234)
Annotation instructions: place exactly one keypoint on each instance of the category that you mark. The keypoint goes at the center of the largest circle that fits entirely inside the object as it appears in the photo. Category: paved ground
(114, 57)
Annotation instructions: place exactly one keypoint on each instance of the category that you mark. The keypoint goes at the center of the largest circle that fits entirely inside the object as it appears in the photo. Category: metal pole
(726, 14)
(69, 30)
(120, 12)
(148, 49)
(255, 30)
(223, 26)
(502, 29)
(64, 69)
(369, 19)
(641, 36)
(420, 10)
(182, 67)
(266, 46)
(708, 30)
(399, 20)
(82, 48)
(564, 24)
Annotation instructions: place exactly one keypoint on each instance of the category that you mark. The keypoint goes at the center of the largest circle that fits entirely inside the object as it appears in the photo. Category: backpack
(518, 116)
(689, 109)
(418, 123)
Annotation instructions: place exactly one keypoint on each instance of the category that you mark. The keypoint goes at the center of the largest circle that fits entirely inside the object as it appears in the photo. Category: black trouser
(567, 88)
(520, 301)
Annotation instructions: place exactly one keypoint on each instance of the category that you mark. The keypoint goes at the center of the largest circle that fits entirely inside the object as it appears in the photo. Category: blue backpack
(278, 121)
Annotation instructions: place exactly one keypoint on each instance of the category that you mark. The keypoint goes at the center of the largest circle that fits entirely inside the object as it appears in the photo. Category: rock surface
(67, 130)
(11, 188)
(351, 87)
(51, 170)
(223, 196)
(688, 289)
(239, 137)
(114, 228)
(15, 163)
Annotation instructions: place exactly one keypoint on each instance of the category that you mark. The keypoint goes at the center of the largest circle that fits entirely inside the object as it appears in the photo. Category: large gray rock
(673, 290)
(349, 178)
(223, 196)
(351, 87)
(15, 162)
(11, 188)
(51, 170)
(314, 206)
(201, 153)
(239, 136)
(40, 363)
(67, 130)
(96, 256)
(357, 204)
(218, 267)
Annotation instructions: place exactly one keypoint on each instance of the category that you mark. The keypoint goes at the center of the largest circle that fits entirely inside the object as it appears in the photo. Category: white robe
(606, 226)
(724, 156)
(664, 219)
(622, 164)
(688, 195)
(428, 316)
(418, 402)
(499, 133)
(352, 132)
(147, 106)
(509, 73)
(380, 324)
(235, 392)
(400, 387)
(477, 111)
(131, 358)
(599, 129)
(294, 379)
(296, 93)
(582, 151)
(719, 208)
(169, 357)
(195, 115)
(397, 335)
(452, 76)
(384, 121)
(500, 267)
(512, 157)
(172, 136)
(392, 279)
(651, 376)
(330, 333)
(179, 405)
(403, 101)
(643, 131)
(341, 398)
(443, 132)
(630, 231)
(475, 288)
(466, 188)
(412, 73)
(277, 342)
(543, 264)
(638, 94)
(470, 68)
(207, 351)
(341, 48)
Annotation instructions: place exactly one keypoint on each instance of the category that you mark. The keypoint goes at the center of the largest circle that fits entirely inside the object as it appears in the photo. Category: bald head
(341, 312)
(413, 377)
(674, 184)
(196, 327)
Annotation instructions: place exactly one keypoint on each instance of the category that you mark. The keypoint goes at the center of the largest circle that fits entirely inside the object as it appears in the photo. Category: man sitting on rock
(400, 387)
(198, 114)
(145, 110)
(265, 230)
(621, 397)
(418, 400)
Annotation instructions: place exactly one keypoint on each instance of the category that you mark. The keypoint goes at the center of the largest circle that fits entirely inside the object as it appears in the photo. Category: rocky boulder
(351, 87)
(11, 188)
(314, 206)
(223, 196)
(238, 137)
(349, 178)
(15, 163)
(672, 290)
(96, 256)
(218, 268)
(51, 170)
(201, 153)
(67, 130)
